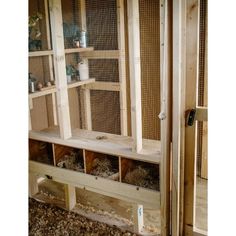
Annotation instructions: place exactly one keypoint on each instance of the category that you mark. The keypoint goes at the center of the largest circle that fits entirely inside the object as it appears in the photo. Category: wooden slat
(50, 64)
(135, 73)
(179, 15)
(201, 113)
(101, 54)
(40, 53)
(75, 84)
(138, 218)
(49, 90)
(105, 86)
(85, 92)
(59, 66)
(122, 66)
(70, 197)
(165, 115)
(78, 50)
(33, 184)
(98, 184)
(192, 51)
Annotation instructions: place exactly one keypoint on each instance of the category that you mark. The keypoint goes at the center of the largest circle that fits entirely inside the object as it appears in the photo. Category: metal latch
(191, 115)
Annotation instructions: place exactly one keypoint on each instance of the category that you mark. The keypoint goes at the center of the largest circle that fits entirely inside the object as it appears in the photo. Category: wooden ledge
(112, 144)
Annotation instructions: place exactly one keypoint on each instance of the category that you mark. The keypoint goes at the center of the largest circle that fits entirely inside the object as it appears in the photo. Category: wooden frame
(119, 145)
(59, 67)
(179, 42)
(165, 115)
(135, 73)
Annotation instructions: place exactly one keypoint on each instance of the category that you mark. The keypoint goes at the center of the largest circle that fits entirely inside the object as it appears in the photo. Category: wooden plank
(98, 184)
(201, 113)
(48, 39)
(192, 51)
(113, 144)
(59, 66)
(40, 53)
(135, 73)
(122, 66)
(52, 89)
(75, 84)
(78, 50)
(179, 16)
(138, 218)
(85, 92)
(165, 115)
(33, 184)
(102, 54)
(70, 196)
(52, 100)
(105, 86)
(49, 90)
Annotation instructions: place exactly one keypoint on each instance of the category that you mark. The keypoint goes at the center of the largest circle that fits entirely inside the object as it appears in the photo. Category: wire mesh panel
(105, 107)
(104, 70)
(150, 67)
(102, 24)
(201, 78)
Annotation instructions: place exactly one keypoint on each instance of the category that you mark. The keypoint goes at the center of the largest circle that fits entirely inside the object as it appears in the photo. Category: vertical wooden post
(122, 66)
(192, 51)
(85, 91)
(53, 95)
(165, 115)
(179, 27)
(135, 73)
(138, 217)
(70, 196)
(59, 66)
(33, 184)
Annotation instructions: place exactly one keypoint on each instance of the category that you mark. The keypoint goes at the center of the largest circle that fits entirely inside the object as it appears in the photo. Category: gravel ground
(48, 220)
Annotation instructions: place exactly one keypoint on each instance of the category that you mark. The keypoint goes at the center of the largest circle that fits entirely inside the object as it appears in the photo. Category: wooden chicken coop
(107, 93)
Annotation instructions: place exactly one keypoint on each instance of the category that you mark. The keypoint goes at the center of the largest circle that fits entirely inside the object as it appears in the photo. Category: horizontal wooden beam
(97, 184)
(52, 89)
(101, 54)
(40, 53)
(78, 50)
(112, 144)
(107, 86)
(201, 113)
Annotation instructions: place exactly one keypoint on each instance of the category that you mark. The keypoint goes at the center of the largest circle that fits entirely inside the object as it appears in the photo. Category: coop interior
(95, 93)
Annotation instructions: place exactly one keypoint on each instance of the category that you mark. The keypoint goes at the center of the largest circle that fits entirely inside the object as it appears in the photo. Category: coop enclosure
(95, 93)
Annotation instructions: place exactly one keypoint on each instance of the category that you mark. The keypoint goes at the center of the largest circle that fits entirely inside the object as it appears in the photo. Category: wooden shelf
(76, 50)
(116, 145)
(74, 84)
(40, 53)
(52, 89)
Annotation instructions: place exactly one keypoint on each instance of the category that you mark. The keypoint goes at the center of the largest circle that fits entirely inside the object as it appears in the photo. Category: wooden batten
(59, 67)
(85, 91)
(192, 51)
(122, 66)
(135, 73)
(178, 111)
(138, 217)
(165, 115)
(70, 196)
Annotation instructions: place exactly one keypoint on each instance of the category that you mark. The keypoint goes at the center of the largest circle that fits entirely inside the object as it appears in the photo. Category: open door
(189, 165)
